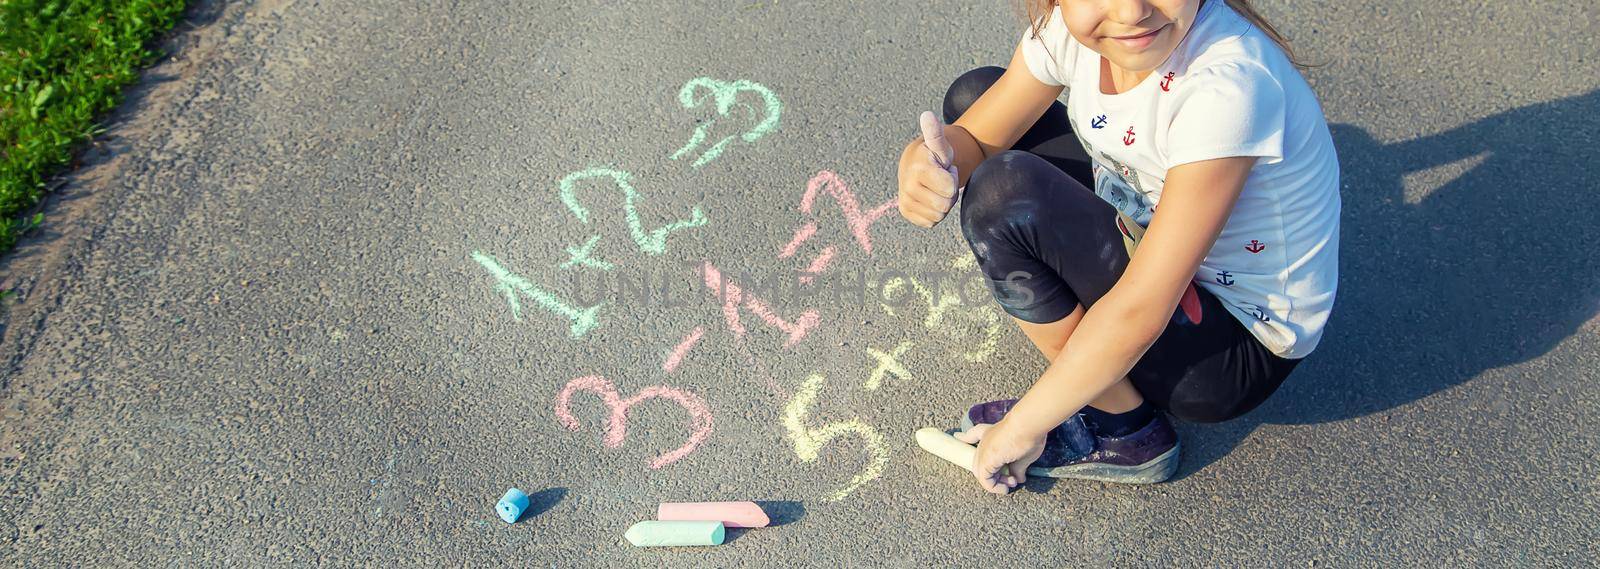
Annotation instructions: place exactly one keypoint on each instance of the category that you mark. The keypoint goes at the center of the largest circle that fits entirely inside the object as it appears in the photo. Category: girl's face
(1135, 35)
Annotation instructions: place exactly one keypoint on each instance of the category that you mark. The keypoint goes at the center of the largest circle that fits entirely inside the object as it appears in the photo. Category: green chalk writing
(580, 255)
(510, 284)
(654, 241)
(725, 93)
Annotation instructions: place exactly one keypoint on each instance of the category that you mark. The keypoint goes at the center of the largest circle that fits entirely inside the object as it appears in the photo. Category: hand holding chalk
(928, 175)
(1003, 455)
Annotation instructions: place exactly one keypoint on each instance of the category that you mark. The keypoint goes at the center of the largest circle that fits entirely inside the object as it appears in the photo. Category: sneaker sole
(1157, 469)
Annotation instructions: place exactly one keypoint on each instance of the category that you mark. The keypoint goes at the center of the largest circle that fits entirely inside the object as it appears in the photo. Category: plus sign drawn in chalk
(653, 241)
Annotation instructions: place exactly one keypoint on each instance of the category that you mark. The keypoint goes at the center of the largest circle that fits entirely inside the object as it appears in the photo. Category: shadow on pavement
(782, 512)
(543, 500)
(1494, 267)
(779, 512)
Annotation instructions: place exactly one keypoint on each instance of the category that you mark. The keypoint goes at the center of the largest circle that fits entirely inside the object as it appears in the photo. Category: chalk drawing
(676, 357)
(725, 93)
(733, 297)
(801, 234)
(941, 309)
(510, 284)
(985, 316)
(859, 223)
(808, 441)
(819, 263)
(888, 364)
(580, 255)
(617, 423)
(654, 241)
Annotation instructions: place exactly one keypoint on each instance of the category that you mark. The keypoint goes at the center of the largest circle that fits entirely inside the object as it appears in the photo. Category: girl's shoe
(1071, 450)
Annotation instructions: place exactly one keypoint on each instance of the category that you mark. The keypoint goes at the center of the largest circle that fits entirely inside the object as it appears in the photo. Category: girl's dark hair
(1038, 13)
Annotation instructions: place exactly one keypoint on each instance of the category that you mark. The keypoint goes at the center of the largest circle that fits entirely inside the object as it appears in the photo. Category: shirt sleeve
(1234, 109)
(1051, 55)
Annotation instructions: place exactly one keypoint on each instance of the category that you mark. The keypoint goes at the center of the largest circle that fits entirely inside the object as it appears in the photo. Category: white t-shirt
(1227, 90)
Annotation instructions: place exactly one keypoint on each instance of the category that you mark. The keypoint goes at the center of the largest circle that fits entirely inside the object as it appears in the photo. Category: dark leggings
(1047, 243)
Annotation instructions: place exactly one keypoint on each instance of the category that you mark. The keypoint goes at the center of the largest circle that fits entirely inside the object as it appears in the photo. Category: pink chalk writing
(617, 424)
(732, 298)
(817, 265)
(859, 223)
(688, 342)
(800, 236)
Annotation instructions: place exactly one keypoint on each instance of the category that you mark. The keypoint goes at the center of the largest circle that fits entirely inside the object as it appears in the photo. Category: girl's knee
(966, 89)
(1005, 184)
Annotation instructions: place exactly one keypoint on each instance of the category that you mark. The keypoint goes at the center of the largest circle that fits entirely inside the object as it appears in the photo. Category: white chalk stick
(946, 447)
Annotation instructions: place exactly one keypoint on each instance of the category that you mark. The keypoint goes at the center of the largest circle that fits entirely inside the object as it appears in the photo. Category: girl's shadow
(1494, 267)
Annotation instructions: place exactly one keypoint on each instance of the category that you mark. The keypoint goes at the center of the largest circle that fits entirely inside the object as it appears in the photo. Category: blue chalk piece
(512, 505)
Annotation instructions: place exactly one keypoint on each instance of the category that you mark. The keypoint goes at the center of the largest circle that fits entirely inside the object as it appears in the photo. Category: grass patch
(62, 64)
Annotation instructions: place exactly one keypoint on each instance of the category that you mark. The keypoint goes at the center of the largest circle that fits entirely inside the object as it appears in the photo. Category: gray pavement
(258, 335)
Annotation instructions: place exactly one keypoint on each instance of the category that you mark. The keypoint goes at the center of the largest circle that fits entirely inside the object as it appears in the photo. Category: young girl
(1194, 105)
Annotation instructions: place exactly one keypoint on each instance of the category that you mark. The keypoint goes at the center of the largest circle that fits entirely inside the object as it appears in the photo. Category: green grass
(63, 63)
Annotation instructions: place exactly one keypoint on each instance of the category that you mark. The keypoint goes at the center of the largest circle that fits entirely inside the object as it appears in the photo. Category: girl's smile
(1140, 40)
(1133, 35)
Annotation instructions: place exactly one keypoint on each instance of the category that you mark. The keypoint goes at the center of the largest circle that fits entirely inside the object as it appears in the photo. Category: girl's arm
(1118, 329)
(998, 118)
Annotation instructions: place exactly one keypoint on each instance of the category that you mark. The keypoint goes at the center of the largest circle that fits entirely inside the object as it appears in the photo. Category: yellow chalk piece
(946, 447)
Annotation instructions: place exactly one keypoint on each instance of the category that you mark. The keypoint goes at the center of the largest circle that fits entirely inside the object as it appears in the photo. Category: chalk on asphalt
(731, 514)
(512, 505)
(946, 447)
(677, 532)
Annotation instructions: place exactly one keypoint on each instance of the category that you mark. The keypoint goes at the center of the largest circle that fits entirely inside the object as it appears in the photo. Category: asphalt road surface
(272, 320)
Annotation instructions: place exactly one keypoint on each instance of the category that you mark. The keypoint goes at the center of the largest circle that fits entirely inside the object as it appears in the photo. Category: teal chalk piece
(675, 533)
(512, 505)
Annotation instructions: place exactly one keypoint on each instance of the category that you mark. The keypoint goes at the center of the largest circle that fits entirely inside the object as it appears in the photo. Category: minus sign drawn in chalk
(731, 514)
(675, 533)
(944, 446)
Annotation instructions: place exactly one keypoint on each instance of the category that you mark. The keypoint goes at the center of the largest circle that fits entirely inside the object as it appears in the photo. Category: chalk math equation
(733, 307)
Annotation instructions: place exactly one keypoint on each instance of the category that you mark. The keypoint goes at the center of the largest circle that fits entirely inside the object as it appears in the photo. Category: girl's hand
(1003, 455)
(928, 175)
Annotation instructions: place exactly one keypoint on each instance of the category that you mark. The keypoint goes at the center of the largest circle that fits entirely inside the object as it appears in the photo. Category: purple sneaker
(1071, 450)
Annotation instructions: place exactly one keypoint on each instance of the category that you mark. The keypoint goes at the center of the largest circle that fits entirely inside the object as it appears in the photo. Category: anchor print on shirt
(1099, 122)
(1255, 311)
(1166, 81)
(1224, 278)
(1127, 140)
(1255, 246)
